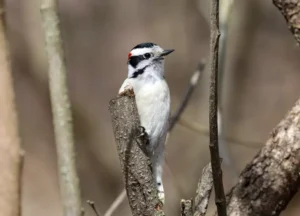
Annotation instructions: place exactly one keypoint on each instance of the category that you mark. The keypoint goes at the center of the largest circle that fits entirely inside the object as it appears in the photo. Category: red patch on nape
(129, 55)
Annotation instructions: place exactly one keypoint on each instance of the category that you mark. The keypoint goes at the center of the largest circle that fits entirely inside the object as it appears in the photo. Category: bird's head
(146, 56)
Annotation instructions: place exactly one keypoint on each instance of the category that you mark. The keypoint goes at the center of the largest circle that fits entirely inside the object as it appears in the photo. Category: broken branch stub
(135, 164)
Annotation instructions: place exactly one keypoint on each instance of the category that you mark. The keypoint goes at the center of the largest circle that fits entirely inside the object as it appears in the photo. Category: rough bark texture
(213, 110)
(61, 109)
(290, 9)
(10, 150)
(186, 207)
(270, 181)
(135, 164)
(203, 192)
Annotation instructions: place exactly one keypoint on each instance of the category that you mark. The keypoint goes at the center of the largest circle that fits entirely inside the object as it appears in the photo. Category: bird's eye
(147, 55)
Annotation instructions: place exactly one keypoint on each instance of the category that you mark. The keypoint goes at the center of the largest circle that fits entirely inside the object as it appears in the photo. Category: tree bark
(135, 164)
(10, 149)
(290, 9)
(270, 181)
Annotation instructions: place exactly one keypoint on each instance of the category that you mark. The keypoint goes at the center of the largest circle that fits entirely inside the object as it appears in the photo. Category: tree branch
(10, 147)
(189, 91)
(274, 172)
(116, 203)
(290, 9)
(203, 192)
(186, 207)
(62, 118)
(213, 110)
(135, 164)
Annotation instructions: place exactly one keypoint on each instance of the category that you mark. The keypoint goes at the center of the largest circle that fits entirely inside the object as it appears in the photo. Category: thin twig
(188, 93)
(62, 118)
(213, 111)
(116, 203)
(203, 192)
(203, 130)
(92, 205)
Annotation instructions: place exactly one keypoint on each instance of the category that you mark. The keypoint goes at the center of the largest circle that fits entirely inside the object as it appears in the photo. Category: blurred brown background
(261, 83)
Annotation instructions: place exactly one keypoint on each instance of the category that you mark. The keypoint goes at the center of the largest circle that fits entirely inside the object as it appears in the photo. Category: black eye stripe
(135, 60)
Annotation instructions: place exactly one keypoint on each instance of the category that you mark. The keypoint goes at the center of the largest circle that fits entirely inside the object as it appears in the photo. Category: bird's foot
(142, 131)
(143, 139)
(161, 197)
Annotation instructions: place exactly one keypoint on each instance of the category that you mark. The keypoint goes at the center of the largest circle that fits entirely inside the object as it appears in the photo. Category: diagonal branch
(213, 110)
(274, 172)
(62, 118)
(135, 164)
(189, 91)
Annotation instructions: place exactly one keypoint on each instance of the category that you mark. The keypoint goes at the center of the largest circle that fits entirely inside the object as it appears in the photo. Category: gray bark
(135, 164)
(270, 181)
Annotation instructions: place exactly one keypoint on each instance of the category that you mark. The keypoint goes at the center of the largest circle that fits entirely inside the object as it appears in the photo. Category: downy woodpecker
(146, 78)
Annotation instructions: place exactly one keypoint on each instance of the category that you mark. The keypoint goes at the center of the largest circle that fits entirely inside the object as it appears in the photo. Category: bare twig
(135, 164)
(10, 145)
(203, 192)
(92, 205)
(201, 129)
(186, 207)
(290, 9)
(62, 118)
(117, 202)
(189, 91)
(213, 110)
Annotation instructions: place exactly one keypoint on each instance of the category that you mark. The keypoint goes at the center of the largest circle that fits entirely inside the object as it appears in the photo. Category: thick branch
(62, 118)
(213, 110)
(10, 149)
(270, 181)
(135, 164)
(290, 9)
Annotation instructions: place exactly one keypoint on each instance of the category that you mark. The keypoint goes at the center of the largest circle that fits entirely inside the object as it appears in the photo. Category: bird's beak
(167, 52)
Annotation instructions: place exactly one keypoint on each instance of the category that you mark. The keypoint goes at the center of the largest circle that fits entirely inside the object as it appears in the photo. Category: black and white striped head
(146, 57)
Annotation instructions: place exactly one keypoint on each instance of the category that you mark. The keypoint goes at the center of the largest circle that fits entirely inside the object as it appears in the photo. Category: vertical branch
(10, 148)
(213, 110)
(135, 164)
(62, 118)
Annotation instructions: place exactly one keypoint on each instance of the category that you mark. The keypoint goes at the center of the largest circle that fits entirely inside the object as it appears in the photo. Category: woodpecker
(146, 79)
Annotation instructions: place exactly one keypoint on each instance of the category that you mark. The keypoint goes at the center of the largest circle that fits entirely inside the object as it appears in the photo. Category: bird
(146, 79)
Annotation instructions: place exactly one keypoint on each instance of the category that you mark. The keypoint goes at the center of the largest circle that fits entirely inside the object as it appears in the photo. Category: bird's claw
(143, 132)
(143, 139)
(161, 197)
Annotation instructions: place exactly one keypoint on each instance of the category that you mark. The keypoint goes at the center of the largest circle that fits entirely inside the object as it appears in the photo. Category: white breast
(153, 103)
